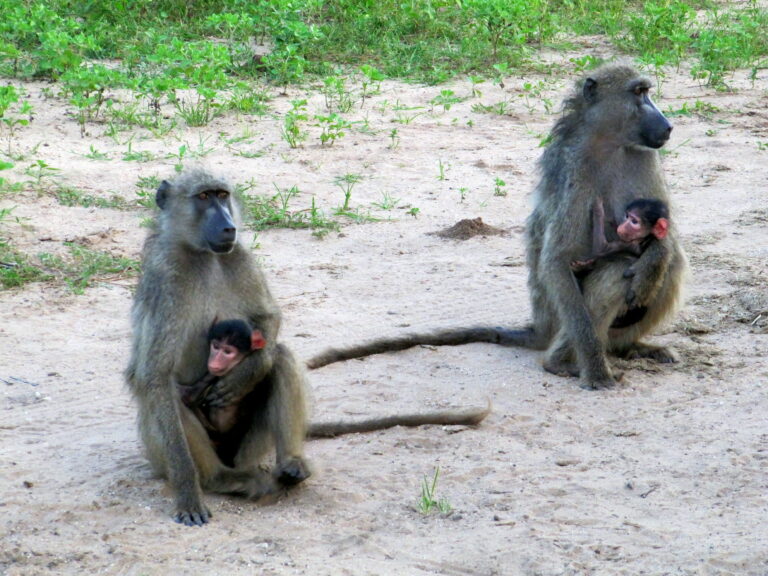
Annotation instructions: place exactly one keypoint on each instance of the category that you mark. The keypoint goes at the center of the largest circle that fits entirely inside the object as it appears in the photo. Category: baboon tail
(525, 337)
(459, 417)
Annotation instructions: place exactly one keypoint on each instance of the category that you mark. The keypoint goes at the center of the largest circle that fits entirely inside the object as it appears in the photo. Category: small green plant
(21, 117)
(413, 211)
(394, 139)
(198, 109)
(67, 196)
(388, 202)
(86, 86)
(332, 128)
(475, 81)
(440, 169)
(41, 172)
(531, 93)
(131, 155)
(248, 100)
(146, 187)
(428, 502)
(84, 265)
(498, 187)
(346, 183)
(94, 154)
(337, 97)
(446, 99)
(275, 212)
(463, 191)
(702, 109)
(500, 108)
(371, 83)
(292, 132)
(179, 156)
(15, 268)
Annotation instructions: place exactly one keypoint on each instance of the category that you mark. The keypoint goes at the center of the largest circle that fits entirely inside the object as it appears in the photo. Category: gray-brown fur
(604, 147)
(188, 280)
(460, 417)
(184, 286)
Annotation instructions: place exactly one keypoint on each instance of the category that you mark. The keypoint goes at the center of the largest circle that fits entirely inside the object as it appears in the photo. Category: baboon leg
(287, 415)
(284, 422)
(559, 358)
(214, 475)
(603, 291)
(170, 458)
(625, 342)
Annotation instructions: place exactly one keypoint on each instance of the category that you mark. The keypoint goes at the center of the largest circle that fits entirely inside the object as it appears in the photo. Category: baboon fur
(188, 279)
(195, 270)
(603, 148)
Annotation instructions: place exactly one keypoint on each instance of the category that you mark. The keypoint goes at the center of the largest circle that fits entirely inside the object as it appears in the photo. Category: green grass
(72, 197)
(16, 269)
(84, 266)
(276, 211)
(162, 47)
(428, 501)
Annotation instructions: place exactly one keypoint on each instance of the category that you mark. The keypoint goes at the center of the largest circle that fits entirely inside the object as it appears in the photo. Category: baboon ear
(257, 340)
(161, 196)
(661, 228)
(590, 90)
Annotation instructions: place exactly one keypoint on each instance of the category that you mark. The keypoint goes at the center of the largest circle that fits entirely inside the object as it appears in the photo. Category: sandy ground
(665, 474)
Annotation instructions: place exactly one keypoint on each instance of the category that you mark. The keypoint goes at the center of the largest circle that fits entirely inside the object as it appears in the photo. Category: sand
(665, 474)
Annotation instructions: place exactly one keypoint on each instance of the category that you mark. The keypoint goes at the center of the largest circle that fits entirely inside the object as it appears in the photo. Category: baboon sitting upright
(604, 149)
(195, 270)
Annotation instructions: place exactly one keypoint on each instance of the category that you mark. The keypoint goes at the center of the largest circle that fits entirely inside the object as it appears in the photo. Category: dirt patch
(469, 228)
(664, 474)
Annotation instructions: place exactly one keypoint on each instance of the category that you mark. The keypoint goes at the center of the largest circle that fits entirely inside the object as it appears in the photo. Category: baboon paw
(293, 472)
(658, 354)
(562, 369)
(598, 384)
(193, 517)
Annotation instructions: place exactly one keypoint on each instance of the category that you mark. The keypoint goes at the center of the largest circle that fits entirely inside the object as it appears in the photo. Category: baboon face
(623, 107)
(653, 128)
(203, 215)
(214, 212)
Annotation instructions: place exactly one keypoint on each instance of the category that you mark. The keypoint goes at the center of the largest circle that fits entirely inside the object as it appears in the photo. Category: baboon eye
(203, 195)
(222, 195)
(640, 90)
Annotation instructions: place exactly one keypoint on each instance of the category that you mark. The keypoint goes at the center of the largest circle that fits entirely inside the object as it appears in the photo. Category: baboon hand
(222, 395)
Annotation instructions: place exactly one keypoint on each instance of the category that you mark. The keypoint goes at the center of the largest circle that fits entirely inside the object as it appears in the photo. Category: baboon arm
(180, 467)
(648, 272)
(465, 417)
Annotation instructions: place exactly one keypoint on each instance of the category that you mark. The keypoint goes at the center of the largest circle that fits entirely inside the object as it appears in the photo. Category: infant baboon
(644, 220)
(229, 342)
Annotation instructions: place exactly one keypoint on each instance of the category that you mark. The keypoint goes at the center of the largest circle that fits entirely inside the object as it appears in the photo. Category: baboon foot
(660, 354)
(561, 368)
(192, 515)
(597, 384)
(292, 472)
(602, 379)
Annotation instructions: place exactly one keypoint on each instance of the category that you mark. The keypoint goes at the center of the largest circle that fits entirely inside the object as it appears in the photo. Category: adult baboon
(604, 148)
(195, 270)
